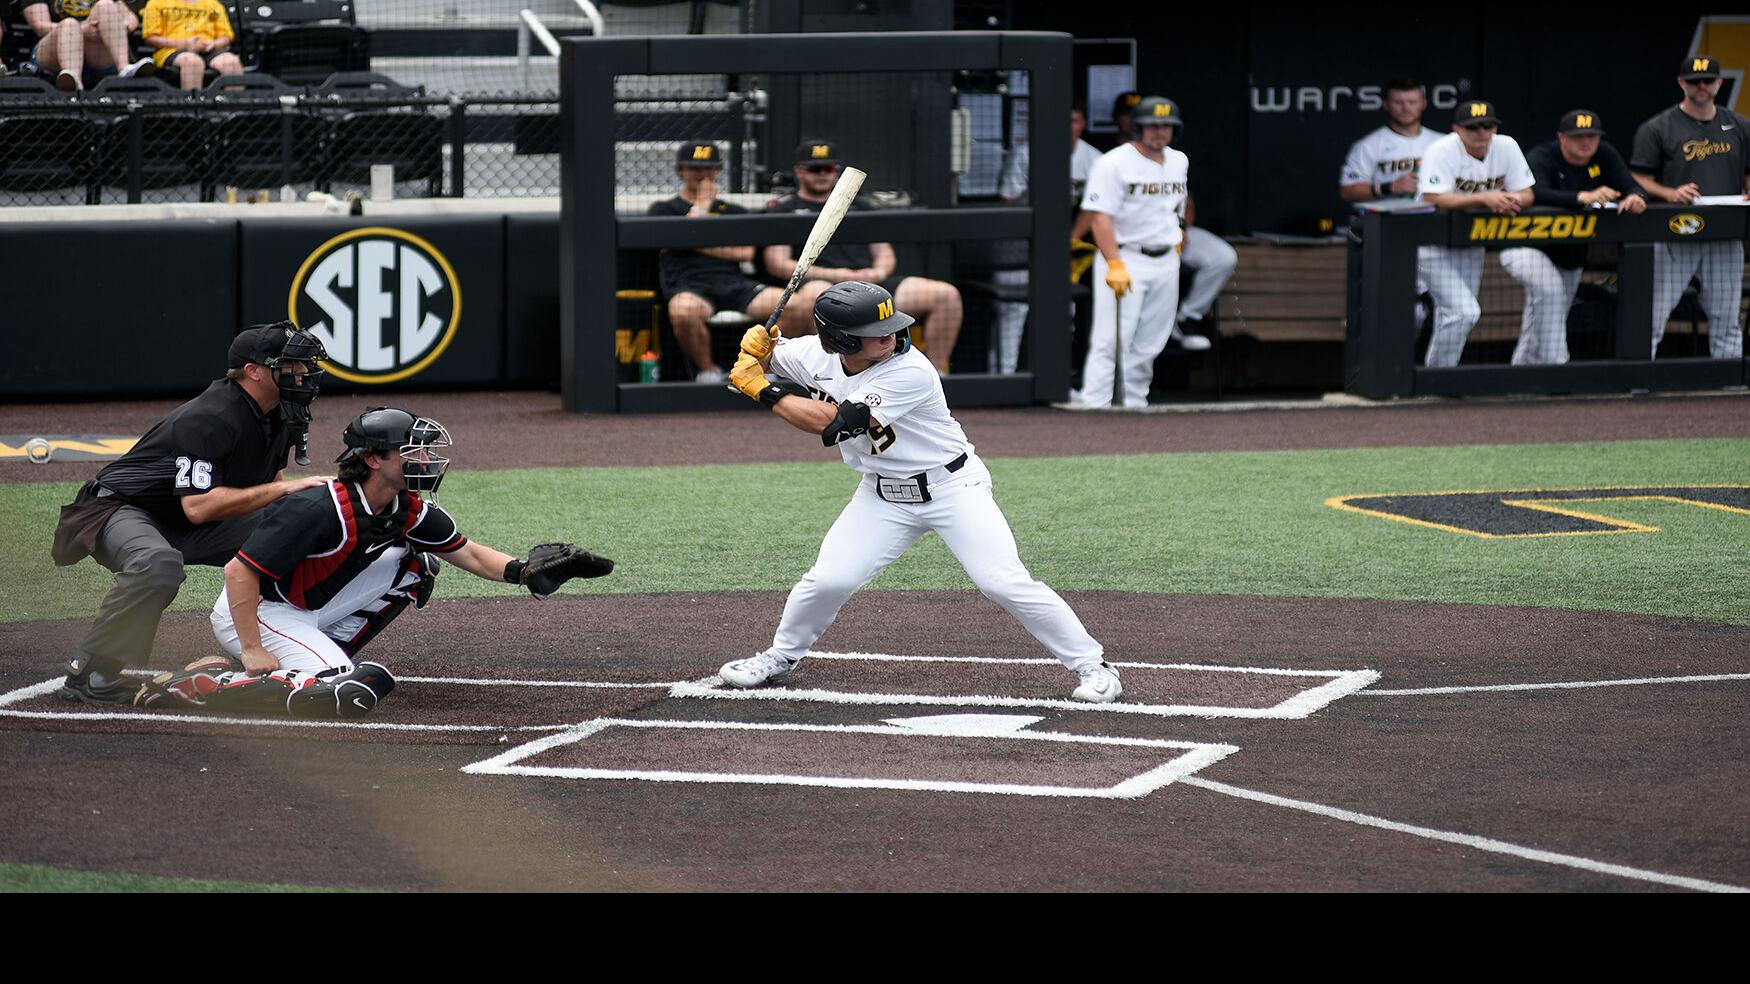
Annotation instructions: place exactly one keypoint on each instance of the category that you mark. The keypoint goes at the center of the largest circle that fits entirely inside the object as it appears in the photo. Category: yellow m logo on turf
(703, 153)
(1583, 121)
(820, 150)
(884, 310)
(1479, 109)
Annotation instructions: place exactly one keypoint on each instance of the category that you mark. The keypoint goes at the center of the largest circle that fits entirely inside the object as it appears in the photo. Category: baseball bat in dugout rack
(631, 338)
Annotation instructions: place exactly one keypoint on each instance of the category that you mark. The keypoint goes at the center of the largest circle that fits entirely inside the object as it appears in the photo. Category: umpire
(189, 492)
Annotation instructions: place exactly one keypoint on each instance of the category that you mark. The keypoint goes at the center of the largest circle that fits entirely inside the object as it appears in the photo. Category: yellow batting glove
(1081, 259)
(758, 342)
(1118, 278)
(748, 375)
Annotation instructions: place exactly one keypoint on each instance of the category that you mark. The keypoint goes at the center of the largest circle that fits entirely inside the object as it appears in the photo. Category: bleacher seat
(410, 138)
(256, 141)
(302, 42)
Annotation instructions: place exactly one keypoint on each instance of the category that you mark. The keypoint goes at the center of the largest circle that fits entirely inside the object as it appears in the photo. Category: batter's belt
(1150, 251)
(916, 489)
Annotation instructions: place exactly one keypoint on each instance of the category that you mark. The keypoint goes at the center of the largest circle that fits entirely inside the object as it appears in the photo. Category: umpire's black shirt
(1676, 148)
(219, 438)
(1560, 183)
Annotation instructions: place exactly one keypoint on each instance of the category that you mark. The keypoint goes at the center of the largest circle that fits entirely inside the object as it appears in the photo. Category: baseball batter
(1697, 148)
(1136, 194)
(330, 567)
(1471, 167)
(860, 385)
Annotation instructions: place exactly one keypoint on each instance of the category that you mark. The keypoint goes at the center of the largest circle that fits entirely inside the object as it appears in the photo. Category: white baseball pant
(310, 641)
(1453, 277)
(1549, 292)
(1011, 319)
(872, 533)
(1720, 266)
(1212, 261)
(1149, 321)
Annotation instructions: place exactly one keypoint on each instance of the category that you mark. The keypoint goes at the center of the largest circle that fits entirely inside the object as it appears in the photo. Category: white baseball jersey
(1145, 199)
(912, 430)
(1081, 161)
(1447, 168)
(1384, 156)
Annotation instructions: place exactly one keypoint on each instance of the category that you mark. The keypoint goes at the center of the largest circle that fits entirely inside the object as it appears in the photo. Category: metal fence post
(458, 144)
(1634, 301)
(136, 152)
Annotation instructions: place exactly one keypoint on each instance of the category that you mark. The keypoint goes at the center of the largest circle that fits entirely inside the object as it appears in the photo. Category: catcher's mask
(417, 439)
(301, 346)
(847, 313)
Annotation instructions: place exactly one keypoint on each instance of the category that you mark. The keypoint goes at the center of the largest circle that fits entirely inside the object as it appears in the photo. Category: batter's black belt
(916, 488)
(1150, 251)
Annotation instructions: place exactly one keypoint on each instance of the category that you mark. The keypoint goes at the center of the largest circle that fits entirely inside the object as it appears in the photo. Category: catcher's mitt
(550, 565)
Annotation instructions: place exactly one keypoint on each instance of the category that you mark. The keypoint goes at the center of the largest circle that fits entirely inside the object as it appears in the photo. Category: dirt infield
(1271, 743)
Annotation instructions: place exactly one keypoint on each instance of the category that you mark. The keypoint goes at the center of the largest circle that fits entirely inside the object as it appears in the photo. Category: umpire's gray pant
(148, 557)
(1549, 292)
(1720, 266)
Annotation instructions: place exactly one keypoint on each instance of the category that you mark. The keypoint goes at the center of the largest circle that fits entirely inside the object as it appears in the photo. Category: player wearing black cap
(1576, 170)
(1694, 149)
(189, 492)
(700, 282)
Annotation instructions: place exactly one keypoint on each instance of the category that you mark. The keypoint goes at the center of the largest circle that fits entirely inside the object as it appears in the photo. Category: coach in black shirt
(1576, 170)
(1696, 148)
(189, 492)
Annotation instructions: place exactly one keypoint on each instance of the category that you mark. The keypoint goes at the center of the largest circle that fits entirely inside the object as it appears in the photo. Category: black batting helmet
(381, 430)
(847, 313)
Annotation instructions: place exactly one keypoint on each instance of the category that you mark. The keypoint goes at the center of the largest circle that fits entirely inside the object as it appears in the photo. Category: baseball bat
(827, 223)
(1117, 351)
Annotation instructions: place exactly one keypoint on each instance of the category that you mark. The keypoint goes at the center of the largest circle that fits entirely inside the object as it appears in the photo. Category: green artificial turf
(1220, 523)
(37, 878)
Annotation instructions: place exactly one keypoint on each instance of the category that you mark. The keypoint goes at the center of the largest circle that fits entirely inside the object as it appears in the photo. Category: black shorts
(726, 293)
(891, 284)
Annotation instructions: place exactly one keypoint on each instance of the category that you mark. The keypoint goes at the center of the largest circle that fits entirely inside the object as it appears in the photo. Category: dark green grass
(37, 878)
(1233, 523)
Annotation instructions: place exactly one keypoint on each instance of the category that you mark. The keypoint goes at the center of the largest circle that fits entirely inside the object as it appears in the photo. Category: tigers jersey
(1145, 199)
(1384, 156)
(176, 19)
(312, 547)
(911, 429)
(1447, 168)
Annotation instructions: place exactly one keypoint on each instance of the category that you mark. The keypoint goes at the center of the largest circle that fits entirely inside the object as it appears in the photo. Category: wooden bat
(827, 223)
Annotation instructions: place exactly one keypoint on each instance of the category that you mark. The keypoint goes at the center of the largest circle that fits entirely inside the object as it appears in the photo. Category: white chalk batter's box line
(1340, 683)
(1190, 758)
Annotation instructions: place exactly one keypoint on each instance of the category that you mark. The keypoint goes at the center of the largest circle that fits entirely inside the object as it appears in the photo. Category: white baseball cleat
(1194, 343)
(755, 670)
(1100, 685)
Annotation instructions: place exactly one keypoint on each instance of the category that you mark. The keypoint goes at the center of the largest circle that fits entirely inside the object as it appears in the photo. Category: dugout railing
(597, 241)
(1381, 342)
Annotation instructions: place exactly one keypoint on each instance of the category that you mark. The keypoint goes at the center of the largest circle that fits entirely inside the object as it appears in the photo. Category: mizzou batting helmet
(847, 313)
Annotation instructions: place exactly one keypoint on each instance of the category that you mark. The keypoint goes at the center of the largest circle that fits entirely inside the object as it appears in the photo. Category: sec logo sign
(384, 302)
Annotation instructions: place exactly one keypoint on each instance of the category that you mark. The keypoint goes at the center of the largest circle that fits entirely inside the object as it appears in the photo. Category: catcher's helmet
(381, 430)
(847, 313)
(1155, 111)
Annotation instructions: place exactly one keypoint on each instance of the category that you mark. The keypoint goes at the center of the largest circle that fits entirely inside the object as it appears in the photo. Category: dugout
(1610, 326)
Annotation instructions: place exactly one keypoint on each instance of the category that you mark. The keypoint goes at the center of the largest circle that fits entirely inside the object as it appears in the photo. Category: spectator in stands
(935, 304)
(83, 39)
(190, 36)
(1693, 150)
(1575, 170)
(700, 282)
(1384, 164)
(1206, 256)
(1471, 167)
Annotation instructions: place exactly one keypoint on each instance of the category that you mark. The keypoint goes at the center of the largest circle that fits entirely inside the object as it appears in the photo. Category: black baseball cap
(1699, 67)
(817, 152)
(1125, 102)
(699, 155)
(1475, 113)
(260, 344)
(1580, 121)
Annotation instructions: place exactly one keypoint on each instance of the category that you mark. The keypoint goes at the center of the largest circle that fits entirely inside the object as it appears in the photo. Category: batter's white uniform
(1453, 275)
(904, 459)
(1011, 316)
(1384, 156)
(1146, 201)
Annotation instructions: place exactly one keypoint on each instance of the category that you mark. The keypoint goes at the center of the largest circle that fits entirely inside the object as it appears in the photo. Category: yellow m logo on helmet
(704, 153)
(1479, 109)
(820, 150)
(884, 310)
(1163, 109)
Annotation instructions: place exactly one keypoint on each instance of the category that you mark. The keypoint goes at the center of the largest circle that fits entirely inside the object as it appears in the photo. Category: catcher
(330, 567)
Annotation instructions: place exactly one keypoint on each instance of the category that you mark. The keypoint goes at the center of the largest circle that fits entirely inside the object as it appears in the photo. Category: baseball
(39, 450)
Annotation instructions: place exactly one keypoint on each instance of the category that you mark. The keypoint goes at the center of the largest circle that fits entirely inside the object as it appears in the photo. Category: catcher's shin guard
(349, 695)
(270, 693)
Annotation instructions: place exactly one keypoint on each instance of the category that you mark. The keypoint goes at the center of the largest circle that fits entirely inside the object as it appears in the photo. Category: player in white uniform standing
(1471, 167)
(860, 385)
(1136, 194)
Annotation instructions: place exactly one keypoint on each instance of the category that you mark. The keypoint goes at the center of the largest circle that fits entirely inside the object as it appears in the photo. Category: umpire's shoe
(99, 687)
